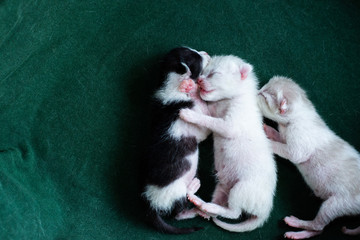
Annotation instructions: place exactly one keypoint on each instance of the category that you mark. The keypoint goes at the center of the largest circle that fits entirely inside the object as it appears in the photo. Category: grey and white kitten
(329, 165)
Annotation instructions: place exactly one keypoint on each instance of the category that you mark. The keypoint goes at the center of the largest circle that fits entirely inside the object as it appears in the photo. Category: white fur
(329, 165)
(170, 90)
(246, 170)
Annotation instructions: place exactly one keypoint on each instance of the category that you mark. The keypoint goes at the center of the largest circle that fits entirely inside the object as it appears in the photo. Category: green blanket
(75, 82)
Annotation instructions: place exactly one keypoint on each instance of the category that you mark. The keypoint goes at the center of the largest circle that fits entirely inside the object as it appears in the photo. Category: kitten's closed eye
(212, 74)
(271, 94)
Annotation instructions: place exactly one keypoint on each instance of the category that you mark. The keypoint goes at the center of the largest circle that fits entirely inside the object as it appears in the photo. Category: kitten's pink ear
(283, 106)
(245, 70)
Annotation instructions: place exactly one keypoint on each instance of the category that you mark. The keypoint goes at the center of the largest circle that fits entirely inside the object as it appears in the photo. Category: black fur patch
(166, 156)
(172, 62)
(165, 115)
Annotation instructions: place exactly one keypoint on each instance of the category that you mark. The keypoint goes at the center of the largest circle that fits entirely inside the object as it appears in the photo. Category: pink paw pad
(186, 85)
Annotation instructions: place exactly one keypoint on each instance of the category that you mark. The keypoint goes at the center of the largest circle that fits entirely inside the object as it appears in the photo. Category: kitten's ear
(283, 106)
(188, 72)
(245, 69)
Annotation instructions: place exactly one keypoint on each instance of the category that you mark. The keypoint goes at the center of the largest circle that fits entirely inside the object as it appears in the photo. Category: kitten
(329, 165)
(172, 156)
(246, 170)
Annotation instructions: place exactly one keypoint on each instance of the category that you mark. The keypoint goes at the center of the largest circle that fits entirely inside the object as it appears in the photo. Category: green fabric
(75, 80)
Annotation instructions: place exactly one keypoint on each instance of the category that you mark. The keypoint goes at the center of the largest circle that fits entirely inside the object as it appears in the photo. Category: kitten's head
(181, 60)
(179, 64)
(281, 99)
(224, 78)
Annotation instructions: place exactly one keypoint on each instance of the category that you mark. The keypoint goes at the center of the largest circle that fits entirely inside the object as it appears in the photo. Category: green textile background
(75, 82)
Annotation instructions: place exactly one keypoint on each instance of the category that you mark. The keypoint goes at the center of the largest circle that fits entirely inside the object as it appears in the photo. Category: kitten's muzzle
(203, 88)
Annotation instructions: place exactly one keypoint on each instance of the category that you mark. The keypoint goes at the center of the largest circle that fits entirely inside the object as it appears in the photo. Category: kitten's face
(269, 102)
(276, 98)
(222, 78)
(178, 65)
(183, 61)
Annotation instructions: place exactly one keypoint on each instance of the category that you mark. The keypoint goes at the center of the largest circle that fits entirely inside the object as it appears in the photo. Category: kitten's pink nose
(200, 80)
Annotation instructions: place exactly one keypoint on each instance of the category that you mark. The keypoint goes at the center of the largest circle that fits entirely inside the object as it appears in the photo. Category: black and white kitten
(172, 156)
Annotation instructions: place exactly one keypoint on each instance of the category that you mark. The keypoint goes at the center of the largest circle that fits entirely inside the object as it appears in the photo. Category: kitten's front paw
(187, 85)
(188, 115)
(272, 133)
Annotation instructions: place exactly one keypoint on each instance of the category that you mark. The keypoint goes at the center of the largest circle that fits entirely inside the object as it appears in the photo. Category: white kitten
(244, 163)
(329, 165)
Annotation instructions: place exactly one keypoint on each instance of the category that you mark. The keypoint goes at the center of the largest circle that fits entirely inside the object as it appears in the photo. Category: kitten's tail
(348, 231)
(248, 225)
(160, 225)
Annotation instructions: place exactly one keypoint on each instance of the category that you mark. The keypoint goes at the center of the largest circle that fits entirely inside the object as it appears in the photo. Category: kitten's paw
(210, 209)
(187, 214)
(293, 221)
(187, 86)
(301, 235)
(272, 133)
(188, 115)
(194, 186)
(191, 213)
(194, 199)
(203, 214)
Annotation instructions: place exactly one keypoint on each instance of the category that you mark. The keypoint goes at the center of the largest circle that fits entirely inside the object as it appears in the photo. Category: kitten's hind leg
(195, 199)
(213, 209)
(187, 214)
(193, 186)
(330, 209)
(191, 213)
(302, 234)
